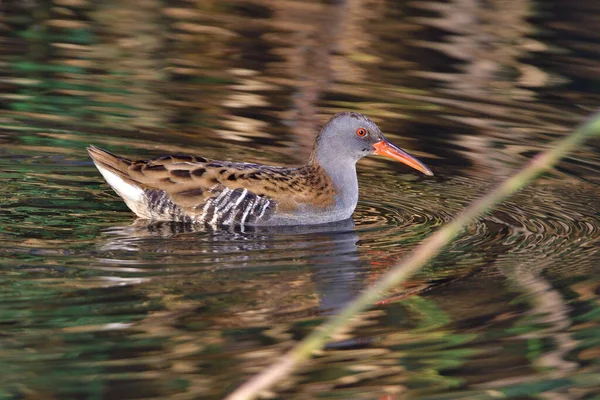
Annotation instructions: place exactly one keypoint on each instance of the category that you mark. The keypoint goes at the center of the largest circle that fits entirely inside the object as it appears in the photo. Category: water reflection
(329, 250)
(94, 307)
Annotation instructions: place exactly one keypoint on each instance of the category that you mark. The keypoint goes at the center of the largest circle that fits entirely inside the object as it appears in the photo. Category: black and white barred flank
(227, 207)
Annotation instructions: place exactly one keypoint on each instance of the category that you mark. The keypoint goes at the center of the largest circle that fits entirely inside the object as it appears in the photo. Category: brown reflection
(319, 45)
(485, 77)
(490, 39)
(127, 57)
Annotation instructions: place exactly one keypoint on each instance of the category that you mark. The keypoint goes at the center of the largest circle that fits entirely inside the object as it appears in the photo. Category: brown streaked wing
(190, 184)
(190, 181)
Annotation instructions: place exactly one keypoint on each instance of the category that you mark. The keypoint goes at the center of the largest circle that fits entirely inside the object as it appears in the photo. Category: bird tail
(115, 169)
(111, 162)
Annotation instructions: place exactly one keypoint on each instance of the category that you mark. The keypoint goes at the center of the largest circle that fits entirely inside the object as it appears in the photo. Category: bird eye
(361, 132)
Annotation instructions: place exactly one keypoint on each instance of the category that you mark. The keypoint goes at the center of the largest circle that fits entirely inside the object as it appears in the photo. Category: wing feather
(194, 189)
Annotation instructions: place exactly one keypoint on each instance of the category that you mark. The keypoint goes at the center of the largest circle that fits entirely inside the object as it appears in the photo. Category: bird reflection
(328, 250)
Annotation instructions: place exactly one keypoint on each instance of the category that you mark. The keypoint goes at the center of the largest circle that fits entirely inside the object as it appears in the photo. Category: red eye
(360, 132)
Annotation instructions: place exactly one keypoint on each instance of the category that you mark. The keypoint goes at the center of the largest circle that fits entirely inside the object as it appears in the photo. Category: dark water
(96, 306)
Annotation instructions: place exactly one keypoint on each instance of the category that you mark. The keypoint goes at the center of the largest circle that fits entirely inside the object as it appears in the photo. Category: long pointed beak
(386, 149)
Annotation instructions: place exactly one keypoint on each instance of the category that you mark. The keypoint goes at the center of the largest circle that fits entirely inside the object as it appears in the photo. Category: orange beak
(386, 149)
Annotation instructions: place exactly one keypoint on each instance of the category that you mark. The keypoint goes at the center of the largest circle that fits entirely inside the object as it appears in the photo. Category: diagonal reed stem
(415, 260)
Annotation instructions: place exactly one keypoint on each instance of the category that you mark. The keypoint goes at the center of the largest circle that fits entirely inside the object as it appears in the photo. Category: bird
(196, 190)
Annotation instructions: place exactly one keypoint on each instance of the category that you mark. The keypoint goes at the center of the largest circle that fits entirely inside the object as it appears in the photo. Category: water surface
(95, 304)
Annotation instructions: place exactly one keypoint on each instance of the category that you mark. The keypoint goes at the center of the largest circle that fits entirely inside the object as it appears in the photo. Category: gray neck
(342, 171)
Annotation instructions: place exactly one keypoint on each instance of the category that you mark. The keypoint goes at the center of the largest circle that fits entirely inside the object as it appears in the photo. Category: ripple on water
(401, 215)
(389, 217)
(537, 221)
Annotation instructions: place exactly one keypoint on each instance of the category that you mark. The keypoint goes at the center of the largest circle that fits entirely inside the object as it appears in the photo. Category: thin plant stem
(412, 263)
